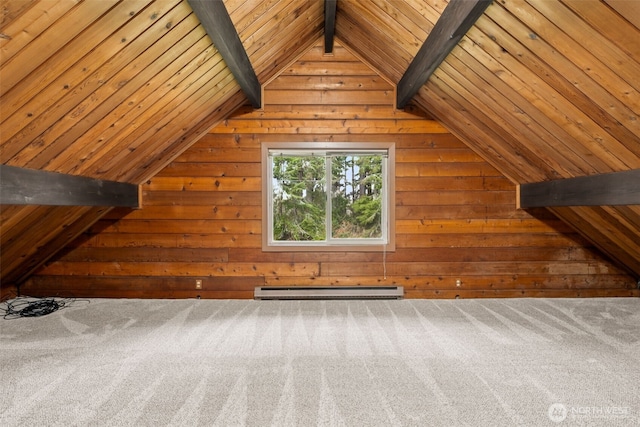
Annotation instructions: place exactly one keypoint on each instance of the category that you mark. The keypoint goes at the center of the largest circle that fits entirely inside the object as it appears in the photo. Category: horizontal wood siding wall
(455, 214)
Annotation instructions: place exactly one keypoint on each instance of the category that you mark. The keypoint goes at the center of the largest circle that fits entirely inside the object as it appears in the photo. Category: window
(334, 196)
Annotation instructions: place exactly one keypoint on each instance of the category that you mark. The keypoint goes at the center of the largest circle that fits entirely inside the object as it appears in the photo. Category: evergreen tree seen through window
(332, 197)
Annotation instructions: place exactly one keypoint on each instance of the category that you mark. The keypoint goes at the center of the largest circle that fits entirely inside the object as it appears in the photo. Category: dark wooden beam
(19, 186)
(455, 21)
(329, 24)
(610, 189)
(216, 21)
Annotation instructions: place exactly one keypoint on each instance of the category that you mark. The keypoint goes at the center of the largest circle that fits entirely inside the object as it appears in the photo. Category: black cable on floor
(33, 307)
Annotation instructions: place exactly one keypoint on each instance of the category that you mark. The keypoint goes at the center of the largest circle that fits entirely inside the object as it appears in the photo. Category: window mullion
(385, 205)
(328, 182)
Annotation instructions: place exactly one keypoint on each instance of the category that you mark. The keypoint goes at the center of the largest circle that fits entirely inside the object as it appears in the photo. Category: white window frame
(384, 244)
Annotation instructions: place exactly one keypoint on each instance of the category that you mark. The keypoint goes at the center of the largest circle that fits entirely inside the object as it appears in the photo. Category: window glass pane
(323, 198)
(299, 198)
(356, 196)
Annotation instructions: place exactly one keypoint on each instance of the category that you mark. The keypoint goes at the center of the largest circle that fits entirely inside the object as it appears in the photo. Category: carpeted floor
(532, 362)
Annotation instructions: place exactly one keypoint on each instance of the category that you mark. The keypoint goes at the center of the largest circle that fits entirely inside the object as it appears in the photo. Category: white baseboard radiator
(328, 292)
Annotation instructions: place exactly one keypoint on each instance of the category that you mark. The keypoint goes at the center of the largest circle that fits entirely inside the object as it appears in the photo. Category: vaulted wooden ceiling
(117, 89)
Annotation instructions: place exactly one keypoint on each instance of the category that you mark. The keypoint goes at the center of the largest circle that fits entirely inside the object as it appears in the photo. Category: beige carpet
(531, 362)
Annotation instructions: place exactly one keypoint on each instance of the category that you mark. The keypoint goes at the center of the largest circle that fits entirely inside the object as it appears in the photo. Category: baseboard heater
(328, 292)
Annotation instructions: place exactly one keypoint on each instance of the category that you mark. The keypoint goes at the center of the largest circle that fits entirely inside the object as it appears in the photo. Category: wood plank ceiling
(541, 89)
(117, 89)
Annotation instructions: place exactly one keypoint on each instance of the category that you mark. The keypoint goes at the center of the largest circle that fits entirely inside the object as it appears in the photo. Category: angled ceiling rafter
(216, 21)
(458, 17)
(329, 24)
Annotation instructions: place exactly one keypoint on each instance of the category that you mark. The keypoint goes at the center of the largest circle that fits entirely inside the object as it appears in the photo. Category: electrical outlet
(198, 284)
(458, 282)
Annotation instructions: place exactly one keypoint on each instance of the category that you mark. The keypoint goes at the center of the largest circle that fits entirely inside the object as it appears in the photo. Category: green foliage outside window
(300, 198)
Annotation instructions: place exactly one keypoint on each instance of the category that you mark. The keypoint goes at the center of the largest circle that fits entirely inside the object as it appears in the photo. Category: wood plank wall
(104, 89)
(456, 216)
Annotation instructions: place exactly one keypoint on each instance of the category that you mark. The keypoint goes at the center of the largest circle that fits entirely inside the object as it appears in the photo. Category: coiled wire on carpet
(33, 307)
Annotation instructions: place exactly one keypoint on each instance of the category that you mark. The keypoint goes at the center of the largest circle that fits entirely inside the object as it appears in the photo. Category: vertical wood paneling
(455, 213)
